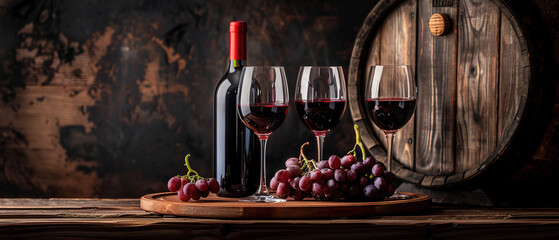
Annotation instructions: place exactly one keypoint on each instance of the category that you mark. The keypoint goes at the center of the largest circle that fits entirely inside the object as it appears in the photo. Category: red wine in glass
(320, 115)
(391, 114)
(320, 99)
(262, 100)
(263, 118)
(390, 98)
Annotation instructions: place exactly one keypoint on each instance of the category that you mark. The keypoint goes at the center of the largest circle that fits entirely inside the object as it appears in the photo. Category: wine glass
(262, 101)
(320, 99)
(390, 97)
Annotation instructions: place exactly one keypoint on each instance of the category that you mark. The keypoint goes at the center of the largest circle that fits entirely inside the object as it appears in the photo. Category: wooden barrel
(483, 97)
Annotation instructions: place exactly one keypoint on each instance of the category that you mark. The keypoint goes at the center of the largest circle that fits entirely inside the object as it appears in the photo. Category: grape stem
(358, 142)
(309, 164)
(194, 177)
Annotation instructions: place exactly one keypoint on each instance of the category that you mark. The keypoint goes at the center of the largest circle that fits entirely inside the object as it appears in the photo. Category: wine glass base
(262, 198)
(399, 196)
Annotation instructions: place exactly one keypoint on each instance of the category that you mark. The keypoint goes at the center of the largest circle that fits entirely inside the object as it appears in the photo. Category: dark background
(105, 98)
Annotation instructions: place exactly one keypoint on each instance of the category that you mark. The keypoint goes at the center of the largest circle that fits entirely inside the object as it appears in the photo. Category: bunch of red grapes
(191, 185)
(188, 190)
(335, 179)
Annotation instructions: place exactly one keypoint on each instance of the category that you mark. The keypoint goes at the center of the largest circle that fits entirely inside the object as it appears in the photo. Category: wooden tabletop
(122, 218)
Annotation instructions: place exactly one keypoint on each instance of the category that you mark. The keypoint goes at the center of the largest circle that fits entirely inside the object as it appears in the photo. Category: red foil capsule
(237, 48)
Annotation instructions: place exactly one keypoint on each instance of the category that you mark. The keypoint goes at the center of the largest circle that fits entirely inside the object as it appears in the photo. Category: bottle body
(236, 148)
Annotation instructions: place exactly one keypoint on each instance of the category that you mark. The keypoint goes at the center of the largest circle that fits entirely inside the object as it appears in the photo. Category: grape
(322, 164)
(183, 197)
(298, 195)
(330, 196)
(348, 160)
(174, 184)
(363, 181)
(332, 185)
(380, 183)
(184, 181)
(369, 162)
(295, 183)
(282, 176)
(358, 167)
(283, 189)
(213, 185)
(351, 176)
(340, 175)
(294, 171)
(190, 189)
(334, 162)
(205, 193)
(316, 175)
(292, 162)
(274, 184)
(326, 189)
(196, 195)
(378, 169)
(202, 185)
(305, 183)
(388, 176)
(317, 189)
(354, 191)
(327, 173)
(390, 190)
(370, 191)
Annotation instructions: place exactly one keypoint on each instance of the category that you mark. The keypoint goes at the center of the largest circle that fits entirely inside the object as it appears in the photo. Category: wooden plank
(398, 42)
(112, 217)
(427, 181)
(436, 104)
(186, 228)
(409, 175)
(43, 203)
(439, 181)
(513, 85)
(356, 113)
(374, 59)
(131, 205)
(477, 82)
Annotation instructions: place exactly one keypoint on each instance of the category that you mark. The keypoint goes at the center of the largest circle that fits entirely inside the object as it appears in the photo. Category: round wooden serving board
(217, 207)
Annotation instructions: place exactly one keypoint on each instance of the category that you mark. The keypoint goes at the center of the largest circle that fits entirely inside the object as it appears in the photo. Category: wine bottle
(236, 148)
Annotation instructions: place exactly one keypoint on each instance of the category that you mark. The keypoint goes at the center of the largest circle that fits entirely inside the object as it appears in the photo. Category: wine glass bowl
(262, 103)
(320, 98)
(390, 97)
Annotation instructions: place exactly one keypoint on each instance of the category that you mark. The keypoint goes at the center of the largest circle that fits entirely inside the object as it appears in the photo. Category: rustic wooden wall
(105, 98)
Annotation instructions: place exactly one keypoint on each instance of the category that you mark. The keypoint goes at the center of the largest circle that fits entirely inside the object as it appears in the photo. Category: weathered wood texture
(122, 219)
(397, 47)
(436, 104)
(477, 82)
(106, 98)
(474, 86)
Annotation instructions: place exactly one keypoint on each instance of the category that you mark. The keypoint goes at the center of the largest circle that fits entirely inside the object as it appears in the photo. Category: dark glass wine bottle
(236, 148)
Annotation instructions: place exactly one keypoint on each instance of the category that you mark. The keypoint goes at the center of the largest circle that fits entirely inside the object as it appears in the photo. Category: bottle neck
(235, 65)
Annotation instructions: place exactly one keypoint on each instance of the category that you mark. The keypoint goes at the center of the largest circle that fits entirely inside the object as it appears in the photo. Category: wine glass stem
(389, 140)
(319, 144)
(262, 189)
